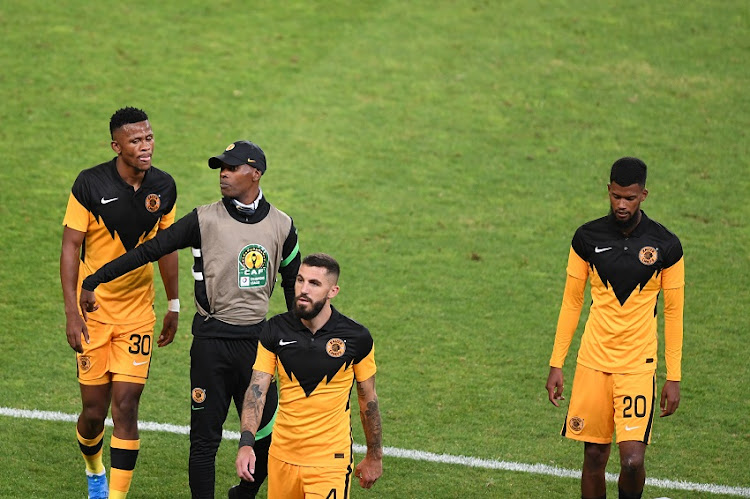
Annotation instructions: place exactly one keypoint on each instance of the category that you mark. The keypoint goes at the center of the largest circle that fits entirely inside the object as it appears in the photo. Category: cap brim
(217, 161)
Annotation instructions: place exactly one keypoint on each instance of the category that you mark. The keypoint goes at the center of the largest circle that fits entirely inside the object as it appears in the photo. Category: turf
(444, 152)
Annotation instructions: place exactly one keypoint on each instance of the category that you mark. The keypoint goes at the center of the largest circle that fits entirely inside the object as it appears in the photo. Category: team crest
(84, 363)
(199, 395)
(252, 267)
(336, 347)
(153, 202)
(648, 255)
(229, 147)
(575, 424)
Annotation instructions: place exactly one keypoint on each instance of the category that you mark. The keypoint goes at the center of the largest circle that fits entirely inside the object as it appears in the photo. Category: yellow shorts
(116, 353)
(602, 403)
(289, 481)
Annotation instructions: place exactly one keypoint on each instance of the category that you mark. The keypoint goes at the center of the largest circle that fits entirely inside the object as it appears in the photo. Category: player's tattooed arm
(369, 413)
(255, 400)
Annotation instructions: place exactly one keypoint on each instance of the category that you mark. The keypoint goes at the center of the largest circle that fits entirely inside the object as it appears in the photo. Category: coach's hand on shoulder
(555, 385)
(169, 329)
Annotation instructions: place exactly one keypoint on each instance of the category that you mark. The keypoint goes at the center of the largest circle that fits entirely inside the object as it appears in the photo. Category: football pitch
(444, 152)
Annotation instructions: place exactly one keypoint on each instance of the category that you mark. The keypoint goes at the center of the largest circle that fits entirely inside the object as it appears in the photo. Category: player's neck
(319, 320)
(131, 176)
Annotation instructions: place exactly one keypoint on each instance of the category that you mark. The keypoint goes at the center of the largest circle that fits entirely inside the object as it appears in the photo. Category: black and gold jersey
(316, 373)
(117, 218)
(626, 275)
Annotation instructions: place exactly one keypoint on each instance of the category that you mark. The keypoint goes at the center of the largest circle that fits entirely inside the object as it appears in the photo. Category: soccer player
(114, 207)
(629, 260)
(240, 244)
(318, 354)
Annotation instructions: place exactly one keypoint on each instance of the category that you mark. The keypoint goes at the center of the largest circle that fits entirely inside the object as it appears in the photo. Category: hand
(368, 471)
(74, 328)
(555, 385)
(88, 303)
(670, 398)
(169, 329)
(245, 463)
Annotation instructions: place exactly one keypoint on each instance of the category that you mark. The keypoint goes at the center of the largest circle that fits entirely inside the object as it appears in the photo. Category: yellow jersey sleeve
(76, 216)
(365, 369)
(265, 360)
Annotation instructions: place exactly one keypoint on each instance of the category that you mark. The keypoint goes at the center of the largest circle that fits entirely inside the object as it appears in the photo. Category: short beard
(624, 225)
(307, 315)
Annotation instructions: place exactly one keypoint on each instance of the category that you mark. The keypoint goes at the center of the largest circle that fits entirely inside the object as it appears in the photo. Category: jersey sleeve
(76, 215)
(578, 267)
(673, 277)
(567, 321)
(365, 368)
(168, 219)
(265, 360)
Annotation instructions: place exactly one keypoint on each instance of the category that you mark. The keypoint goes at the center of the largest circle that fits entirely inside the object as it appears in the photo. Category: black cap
(240, 153)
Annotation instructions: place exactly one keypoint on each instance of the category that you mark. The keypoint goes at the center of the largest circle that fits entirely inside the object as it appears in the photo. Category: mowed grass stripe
(416, 455)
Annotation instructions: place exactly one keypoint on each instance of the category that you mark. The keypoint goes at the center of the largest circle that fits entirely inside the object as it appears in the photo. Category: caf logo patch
(336, 347)
(575, 424)
(199, 395)
(648, 255)
(153, 202)
(84, 363)
(252, 266)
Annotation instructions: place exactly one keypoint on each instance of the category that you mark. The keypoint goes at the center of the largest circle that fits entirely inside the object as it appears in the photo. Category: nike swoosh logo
(196, 408)
(597, 249)
(283, 343)
(107, 201)
(629, 428)
(140, 363)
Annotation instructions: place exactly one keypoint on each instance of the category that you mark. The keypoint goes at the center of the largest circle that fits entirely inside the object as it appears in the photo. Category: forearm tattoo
(371, 423)
(255, 400)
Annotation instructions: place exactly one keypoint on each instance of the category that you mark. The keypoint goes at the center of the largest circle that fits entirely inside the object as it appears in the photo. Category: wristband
(247, 439)
(173, 305)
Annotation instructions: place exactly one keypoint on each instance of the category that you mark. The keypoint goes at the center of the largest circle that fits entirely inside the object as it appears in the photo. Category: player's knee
(631, 464)
(596, 456)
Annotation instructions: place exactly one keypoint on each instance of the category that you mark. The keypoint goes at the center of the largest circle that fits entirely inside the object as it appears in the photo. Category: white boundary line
(473, 462)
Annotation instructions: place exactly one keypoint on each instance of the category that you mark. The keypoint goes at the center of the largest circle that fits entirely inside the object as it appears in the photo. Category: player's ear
(644, 194)
(333, 292)
(115, 146)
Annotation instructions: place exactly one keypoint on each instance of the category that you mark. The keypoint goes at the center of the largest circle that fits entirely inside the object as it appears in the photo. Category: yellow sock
(123, 455)
(91, 450)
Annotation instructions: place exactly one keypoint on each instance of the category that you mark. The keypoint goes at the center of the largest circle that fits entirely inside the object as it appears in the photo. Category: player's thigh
(635, 397)
(590, 416)
(130, 357)
(94, 362)
(327, 483)
(284, 480)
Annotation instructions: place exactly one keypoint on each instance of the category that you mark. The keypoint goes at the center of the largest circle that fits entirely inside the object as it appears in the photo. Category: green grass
(444, 152)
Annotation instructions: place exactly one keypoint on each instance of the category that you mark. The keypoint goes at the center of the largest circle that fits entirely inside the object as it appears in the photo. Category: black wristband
(247, 438)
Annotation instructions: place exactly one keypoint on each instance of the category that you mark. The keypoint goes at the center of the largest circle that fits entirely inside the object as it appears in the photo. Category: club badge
(84, 363)
(153, 202)
(199, 395)
(648, 255)
(336, 347)
(252, 266)
(575, 424)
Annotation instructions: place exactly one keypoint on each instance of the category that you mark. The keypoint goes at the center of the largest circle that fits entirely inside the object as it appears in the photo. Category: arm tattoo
(255, 400)
(371, 423)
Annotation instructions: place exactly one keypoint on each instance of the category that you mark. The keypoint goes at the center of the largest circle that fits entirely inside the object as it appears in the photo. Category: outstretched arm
(252, 411)
(371, 467)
